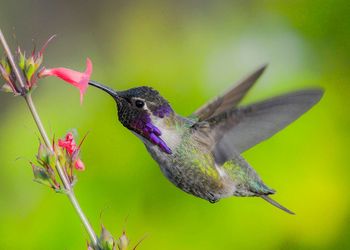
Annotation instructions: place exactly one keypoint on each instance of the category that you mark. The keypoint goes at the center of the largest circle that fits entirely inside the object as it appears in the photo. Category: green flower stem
(66, 184)
(69, 190)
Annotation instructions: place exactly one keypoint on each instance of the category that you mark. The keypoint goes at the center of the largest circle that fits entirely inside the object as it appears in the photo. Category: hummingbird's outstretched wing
(229, 99)
(239, 129)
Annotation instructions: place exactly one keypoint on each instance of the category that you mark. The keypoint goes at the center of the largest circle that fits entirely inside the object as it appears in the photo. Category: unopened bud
(6, 88)
(123, 242)
(79, 165)
(106, 239)
(42, 176)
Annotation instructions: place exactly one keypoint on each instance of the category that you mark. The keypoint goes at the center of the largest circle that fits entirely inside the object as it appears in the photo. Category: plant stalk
(69, 190)
(11, 60)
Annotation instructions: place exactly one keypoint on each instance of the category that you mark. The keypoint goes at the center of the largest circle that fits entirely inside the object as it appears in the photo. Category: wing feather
(239, 129)
(229, 99)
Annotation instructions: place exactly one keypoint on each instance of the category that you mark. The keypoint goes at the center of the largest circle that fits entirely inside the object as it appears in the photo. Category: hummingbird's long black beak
(106, 89)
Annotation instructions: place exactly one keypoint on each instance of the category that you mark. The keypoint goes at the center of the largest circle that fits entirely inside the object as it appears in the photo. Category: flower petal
(75, 78)
(84, 81)
(68, 143)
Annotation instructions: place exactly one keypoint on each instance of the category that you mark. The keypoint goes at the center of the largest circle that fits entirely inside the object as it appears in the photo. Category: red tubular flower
(75, 78)
(68, 143)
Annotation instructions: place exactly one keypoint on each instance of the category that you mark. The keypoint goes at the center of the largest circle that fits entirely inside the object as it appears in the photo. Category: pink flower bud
(79, 165)
(75, 78)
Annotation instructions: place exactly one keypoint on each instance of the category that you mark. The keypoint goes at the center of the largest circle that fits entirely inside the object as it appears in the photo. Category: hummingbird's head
(138, 109)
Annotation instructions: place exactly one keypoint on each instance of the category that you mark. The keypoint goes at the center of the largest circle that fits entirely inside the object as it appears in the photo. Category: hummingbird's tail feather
(276, 204)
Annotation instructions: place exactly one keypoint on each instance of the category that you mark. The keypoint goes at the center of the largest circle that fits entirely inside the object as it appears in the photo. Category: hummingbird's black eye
(139, 103)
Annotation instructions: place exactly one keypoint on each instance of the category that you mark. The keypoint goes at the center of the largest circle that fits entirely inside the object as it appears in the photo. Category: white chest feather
(170, 135)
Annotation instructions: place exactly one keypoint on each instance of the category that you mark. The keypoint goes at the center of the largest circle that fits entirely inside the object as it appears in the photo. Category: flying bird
(201, 153)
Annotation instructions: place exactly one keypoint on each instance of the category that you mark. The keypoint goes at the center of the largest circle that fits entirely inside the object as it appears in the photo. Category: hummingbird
(201, 153)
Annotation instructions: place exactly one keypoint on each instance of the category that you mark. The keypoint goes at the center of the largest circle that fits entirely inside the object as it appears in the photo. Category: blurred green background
(190, 51)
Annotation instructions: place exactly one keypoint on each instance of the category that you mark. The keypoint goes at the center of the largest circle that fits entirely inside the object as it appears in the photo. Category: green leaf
(22, 60)
(29, 72)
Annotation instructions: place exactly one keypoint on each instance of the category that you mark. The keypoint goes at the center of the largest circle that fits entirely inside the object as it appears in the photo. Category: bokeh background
(190, 51)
